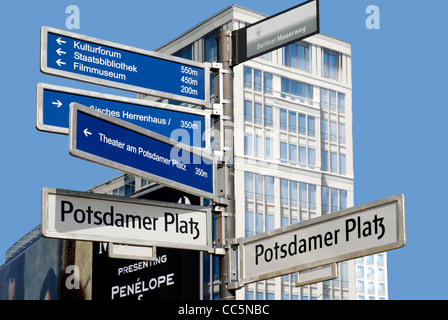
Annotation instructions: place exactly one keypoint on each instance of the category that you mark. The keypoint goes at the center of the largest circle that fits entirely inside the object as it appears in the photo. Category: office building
(293, 147)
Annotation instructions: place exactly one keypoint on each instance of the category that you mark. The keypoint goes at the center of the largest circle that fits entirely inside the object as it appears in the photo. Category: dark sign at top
(276, 31)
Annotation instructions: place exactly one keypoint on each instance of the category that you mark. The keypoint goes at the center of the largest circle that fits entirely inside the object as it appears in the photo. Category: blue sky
(399, 112)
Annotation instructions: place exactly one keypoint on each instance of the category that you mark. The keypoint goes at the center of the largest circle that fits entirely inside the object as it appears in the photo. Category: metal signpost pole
(228, 212)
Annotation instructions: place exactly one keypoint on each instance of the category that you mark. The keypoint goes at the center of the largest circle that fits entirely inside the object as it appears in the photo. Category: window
(329, 64)
(292, 121)
(324, 160)
(248, 185)
(311, 126)
(324, 129)
(360, 286)
(334, 199)
(247, 77)
(360, 271)
(324, 98)
(293, 193)
(302, 124)
(249, 223)
(293, 153)
(269, 188)
(268, 148)
(284, 191)
(333, 162)
(283, 151)
(302, 155)
(211, 47)
(247, 144)
(258, 187)
(186, 53)
(268, 83)
(247, 110)
(297, 90)
(268, 119)
(342, 164)
(297, 55)
(283, 119)
(257, 80)
(311, 157)
(341, 133)
(258, 146)
(341, 103)
(312, 196)
(258, 113)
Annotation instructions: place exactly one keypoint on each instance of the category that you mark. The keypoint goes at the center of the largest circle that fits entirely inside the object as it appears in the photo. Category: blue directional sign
(187, 125)
(118, 144)
(106, 63)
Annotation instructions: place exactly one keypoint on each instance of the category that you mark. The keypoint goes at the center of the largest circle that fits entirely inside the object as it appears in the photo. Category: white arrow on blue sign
(121, 145)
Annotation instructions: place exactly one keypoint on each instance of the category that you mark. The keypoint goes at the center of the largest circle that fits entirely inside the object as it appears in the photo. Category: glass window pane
(283, 119)
(293, 153)
(268, 148)
(325, 199)
(258, 113)
(292, 121)
(324, 160)
(257, 80)
(268, 116)
(324, 98)
(258, 186)
(324, 129)
(342, 165)
(248, 185)
(302, 194)
(302, 124)
(293, 193)
(283, 151)
(267, 82)
(247, 144)
(333, 162)
(248, 77)
(302, 155)
(311, 126)
(247, 110)
(269, 188)
(284, 191)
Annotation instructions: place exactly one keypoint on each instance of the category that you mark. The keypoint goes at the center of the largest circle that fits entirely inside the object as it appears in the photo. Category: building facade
(293, 147)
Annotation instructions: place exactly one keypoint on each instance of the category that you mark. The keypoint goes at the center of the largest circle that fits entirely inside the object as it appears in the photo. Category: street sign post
(359, 231)
(191, 125)
(92, 60)
(88, 216)
(121, 145)
(277, 31)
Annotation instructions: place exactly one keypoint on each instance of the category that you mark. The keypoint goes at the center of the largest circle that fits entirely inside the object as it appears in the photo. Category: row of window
(259, 147)
(260, 81)
(296, 55)
(370, 274)
(361, 287)
(293, 193)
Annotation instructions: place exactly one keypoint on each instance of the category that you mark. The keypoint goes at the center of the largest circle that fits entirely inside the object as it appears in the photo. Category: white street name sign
(359, 231)
(88, 216)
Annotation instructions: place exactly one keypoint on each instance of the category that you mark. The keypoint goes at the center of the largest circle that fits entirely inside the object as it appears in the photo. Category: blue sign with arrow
(120, 145)
(186, 125)
(106, 63)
